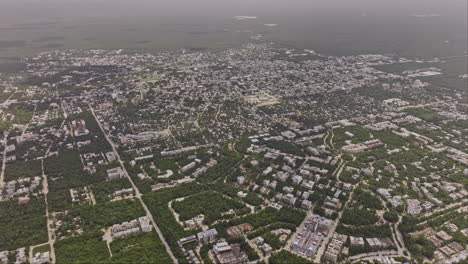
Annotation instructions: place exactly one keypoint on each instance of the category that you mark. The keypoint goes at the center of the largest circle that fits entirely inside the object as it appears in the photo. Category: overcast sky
(410, 27)
(17, 10)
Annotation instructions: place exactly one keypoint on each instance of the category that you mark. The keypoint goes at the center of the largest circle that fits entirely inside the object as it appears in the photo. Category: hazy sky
(330, 25)
(15, 10)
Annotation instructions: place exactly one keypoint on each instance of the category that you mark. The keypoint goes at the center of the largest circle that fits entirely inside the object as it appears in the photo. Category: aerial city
(252, 150)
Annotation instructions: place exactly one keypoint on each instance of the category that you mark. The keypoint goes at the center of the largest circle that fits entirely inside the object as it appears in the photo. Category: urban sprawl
(255, 154)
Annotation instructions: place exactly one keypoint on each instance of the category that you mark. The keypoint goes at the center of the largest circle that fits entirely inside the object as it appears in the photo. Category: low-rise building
(334, 247)
(208, 236)
(115, 173)
(229, 254)
(41, 258)
(413, 207)
(356, 241)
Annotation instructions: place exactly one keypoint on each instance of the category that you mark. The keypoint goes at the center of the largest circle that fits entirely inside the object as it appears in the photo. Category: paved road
(388, 253)
(30, 121)
(441, 209)
(50, 231)
(396, 235)
(399, 237)
(331, 139)
(137, 192)
(31, 249)
(2, 172)
(340, 169)
(321, 250)
(299, 229)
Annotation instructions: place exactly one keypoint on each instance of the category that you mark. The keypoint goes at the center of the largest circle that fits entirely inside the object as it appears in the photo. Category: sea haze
(416, 28)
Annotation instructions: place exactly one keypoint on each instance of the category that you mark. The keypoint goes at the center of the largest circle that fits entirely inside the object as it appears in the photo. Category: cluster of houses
(79, 128)
(427, 201)
(194, 167)
(229, 253)
(305, 179)
(133, 227)
(448, 250)
(361, 147)
(143, 136)
(41, 258)
(125, 193)
(239, 230)
(22, 188)
(266, 248)
(65, 226)
(335, 247)
(115, 173)
(81, 195)
(222, 251)
(298, 181)
(203, 237)
(333, 203)
(194, 223)
(262, 245)
(185, 149)
(405, 133)
(456, 191)
(413, 207)
(20, 256)
(457, 155)
(91, 160)
(311, 235)
(374, 243)
(30, 133)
